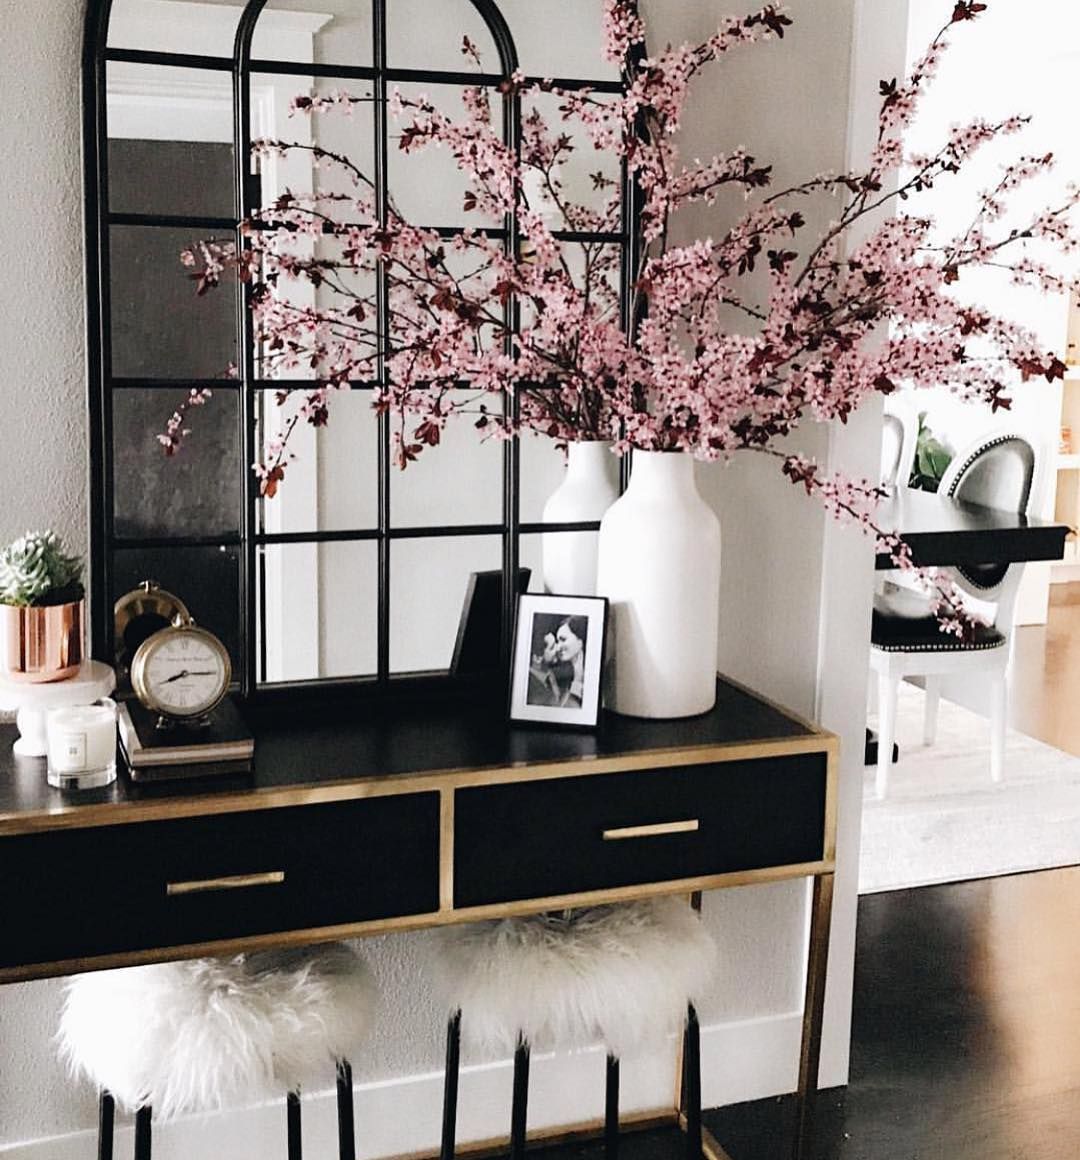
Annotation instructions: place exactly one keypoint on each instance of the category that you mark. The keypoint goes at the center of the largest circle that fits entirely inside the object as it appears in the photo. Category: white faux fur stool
(626, 975)
(196, 1036)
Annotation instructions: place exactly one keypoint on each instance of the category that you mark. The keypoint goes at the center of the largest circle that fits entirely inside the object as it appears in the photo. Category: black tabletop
(941, 530)
(314, 747)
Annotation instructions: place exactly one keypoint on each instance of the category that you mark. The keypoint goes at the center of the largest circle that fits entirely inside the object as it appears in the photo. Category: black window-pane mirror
(195, 492)
(206, 579)
(159, 326)
(310, 570)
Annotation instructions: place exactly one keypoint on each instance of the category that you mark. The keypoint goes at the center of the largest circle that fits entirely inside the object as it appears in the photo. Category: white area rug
(945, 820)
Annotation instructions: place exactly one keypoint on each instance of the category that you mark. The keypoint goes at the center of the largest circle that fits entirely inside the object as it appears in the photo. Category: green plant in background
(931, 458)
(35, 569)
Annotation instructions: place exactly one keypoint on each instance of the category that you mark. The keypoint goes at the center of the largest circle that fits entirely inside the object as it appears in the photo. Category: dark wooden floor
(965, 1042)
(966, 1031)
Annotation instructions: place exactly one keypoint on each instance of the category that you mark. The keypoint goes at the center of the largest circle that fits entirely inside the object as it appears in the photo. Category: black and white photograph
(558, 657)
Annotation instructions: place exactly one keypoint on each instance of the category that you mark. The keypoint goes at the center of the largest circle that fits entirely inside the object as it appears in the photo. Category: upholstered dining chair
(181, 1038)
(625, 975)
(1004, 471)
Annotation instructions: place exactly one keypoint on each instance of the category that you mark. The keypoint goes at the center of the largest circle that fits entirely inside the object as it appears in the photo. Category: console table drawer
(572, 835)
(102, 890)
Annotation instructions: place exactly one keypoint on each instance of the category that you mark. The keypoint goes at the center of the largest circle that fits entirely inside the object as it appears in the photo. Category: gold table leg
(813, 1014)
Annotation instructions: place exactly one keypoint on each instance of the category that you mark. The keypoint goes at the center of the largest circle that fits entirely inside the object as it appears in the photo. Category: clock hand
(189, 673)
(176, 677)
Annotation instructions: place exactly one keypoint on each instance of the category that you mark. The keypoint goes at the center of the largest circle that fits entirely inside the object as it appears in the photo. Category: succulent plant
(36, 570)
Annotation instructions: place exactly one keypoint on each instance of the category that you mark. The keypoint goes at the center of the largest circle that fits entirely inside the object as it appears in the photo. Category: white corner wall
(794, 605)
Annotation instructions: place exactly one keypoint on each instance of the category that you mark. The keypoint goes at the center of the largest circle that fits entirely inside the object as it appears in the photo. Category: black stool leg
(142, 1134)
(292, 1123)
(106, 1113)
(692, 1084)
(450, 1087)
(520, 1105)
(345, 1127)
(611, 1110)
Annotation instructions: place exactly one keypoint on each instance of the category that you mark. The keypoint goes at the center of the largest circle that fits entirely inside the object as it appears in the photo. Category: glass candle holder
(82, 745)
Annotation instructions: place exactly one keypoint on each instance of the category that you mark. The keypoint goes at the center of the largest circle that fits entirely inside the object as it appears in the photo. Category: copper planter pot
(41, 643)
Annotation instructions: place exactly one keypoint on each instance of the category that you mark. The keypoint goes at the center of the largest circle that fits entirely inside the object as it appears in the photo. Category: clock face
(181, 672)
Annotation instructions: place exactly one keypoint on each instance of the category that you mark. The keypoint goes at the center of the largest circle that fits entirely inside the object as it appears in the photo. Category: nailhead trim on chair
(957, 646)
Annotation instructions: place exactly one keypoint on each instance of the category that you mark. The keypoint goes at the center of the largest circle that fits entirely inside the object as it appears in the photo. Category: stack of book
(159, 751)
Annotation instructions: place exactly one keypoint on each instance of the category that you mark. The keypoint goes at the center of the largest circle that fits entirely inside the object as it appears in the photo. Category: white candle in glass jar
(82, 744)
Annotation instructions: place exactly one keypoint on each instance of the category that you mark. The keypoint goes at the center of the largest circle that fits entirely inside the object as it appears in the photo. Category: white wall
(782, 629)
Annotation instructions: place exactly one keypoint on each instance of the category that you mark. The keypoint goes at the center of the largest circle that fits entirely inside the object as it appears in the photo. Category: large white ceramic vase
(659, 567)
(589, 487)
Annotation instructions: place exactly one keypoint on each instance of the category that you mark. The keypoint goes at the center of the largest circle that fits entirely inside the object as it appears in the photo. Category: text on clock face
(185, 672)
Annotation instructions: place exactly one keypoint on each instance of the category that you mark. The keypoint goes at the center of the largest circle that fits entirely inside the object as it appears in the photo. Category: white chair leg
(930, 710)
(999, 712)
(888, 691)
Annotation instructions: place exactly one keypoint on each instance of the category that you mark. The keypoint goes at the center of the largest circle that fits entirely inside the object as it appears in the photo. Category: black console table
(363, 821)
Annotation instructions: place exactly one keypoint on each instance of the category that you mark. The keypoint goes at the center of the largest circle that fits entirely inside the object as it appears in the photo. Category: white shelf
(1068, 462)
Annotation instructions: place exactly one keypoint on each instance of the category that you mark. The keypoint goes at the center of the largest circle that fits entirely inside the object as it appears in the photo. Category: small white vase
(589, 488)
(659, 567)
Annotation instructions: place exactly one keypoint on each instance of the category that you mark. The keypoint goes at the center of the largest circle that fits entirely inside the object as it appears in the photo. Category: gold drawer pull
(233, 882)
(687, 827)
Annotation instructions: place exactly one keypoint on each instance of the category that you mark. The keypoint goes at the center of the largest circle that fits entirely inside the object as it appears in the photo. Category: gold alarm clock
(181, 672)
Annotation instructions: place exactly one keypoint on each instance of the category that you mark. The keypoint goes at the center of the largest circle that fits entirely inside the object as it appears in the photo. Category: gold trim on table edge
(429, 919)
(74, 815)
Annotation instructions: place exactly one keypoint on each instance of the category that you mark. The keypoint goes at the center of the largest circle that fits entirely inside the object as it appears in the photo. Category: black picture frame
(558, 660)
(476, 649)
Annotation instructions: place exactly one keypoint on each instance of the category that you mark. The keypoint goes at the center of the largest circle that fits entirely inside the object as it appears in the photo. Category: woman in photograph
(570, 650)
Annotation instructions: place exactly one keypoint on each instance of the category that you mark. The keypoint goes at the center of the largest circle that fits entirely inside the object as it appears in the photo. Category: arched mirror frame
(250, 540)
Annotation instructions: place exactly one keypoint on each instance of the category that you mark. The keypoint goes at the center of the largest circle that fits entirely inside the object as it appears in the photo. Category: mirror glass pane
(319, 31)
(584, 192)
(426, 186)
(318, 611)
(207, 580)
(345, 127)
(330, 472)
(544, 49)
(428, 34)
(160, 327)
(203, 28)
(542, 470)
(428, 582)
(457, 482)
(194, 492)
(170, 140)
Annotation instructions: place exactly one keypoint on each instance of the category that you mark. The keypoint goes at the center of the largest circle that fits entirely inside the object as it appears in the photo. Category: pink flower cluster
(537, 338)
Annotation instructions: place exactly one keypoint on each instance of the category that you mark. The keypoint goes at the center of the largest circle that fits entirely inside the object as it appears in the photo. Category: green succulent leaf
(35, 569)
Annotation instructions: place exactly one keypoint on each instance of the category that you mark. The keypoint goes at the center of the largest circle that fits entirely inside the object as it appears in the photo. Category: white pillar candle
(82, 745)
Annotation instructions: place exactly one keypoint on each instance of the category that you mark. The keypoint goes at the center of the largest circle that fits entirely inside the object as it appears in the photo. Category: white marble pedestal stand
(93, 680)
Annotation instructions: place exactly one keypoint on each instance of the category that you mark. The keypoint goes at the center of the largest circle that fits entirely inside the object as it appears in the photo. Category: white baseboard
(749, 1059)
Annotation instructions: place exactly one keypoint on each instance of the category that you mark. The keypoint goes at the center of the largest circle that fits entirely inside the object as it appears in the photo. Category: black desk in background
(941, 530)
